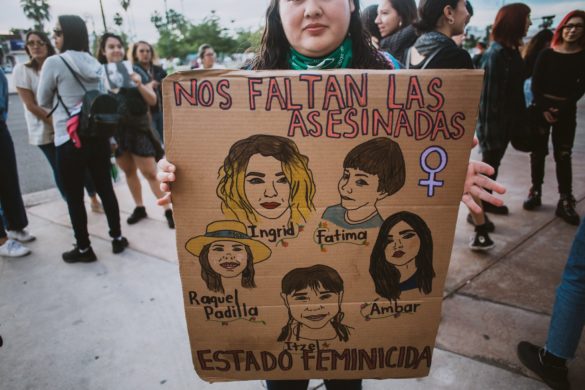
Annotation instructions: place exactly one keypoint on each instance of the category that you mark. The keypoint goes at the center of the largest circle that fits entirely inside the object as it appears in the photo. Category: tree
(37, 10)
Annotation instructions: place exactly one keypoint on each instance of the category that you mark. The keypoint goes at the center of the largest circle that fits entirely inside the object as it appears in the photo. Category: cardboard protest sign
(315, 216)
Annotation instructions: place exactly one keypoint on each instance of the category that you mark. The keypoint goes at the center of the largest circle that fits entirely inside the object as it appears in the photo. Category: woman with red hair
(558, 83)
(502, 98)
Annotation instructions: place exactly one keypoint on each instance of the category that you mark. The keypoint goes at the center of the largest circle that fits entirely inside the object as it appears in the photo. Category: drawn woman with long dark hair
(313, 298)
(402, 258)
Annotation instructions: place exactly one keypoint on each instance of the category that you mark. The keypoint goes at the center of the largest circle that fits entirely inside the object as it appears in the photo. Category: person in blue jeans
(566, 325)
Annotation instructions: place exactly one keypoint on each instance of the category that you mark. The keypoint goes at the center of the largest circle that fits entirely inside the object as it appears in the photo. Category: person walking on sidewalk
(558, 83)
(39, 125)
(566, 324)
(137, 146)
(502, 103)
(59, 86)
(13, 218)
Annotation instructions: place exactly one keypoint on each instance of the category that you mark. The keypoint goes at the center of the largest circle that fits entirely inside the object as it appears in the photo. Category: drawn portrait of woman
(265, 177)
(402, 258)
(226, 251)
(313, 298)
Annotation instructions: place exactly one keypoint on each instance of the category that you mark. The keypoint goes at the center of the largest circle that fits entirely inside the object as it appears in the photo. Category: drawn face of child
(313, 308)
(403, 244)
(227, 258)
(266, 186)
(358, 189)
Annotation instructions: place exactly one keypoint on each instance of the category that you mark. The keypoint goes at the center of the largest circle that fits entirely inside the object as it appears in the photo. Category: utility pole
(103, 17)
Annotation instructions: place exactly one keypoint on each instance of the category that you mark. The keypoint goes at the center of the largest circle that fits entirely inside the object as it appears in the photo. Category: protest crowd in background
(530, 83)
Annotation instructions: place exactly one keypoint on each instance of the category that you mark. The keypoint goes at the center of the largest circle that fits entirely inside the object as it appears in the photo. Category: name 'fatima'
(223, 308)
(322, 236)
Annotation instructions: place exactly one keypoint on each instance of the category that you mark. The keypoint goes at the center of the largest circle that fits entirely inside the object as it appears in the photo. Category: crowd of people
(533, 85)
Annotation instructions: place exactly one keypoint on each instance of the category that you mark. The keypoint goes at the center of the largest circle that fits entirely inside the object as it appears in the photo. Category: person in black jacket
(502, 103)
(558, 82)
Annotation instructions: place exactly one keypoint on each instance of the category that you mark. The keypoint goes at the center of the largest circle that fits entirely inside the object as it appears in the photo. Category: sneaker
(13, 248)
(20, 235)
(138, 214)
(566, 210)
(76, 256)
(534, 199)
(498, 210)
(489, 225)
(532, 357)
(481, 241)
(118, 245)
(169, 217)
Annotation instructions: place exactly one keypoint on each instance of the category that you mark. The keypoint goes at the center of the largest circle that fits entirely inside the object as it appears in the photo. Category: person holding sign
(327, 34)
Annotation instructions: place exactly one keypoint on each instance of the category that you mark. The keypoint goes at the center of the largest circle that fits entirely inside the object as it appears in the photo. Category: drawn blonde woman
(265, 177)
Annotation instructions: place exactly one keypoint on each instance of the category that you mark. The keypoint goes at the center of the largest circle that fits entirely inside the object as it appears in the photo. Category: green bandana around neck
(339, 59)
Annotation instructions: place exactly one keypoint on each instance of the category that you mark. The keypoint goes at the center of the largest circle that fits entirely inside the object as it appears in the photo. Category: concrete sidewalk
(119, 323)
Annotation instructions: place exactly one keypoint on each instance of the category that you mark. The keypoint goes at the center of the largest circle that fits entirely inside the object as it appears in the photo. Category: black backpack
(99, 115)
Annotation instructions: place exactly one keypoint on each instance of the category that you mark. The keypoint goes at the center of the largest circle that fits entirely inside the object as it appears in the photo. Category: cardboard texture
(315, 216)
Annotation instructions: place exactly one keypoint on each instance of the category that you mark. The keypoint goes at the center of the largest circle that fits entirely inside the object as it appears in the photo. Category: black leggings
(330, 384)
(563, 136)
(72, 164)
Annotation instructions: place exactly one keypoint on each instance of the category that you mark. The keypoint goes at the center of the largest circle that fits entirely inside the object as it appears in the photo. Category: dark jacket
(398, 43)
(502, 106)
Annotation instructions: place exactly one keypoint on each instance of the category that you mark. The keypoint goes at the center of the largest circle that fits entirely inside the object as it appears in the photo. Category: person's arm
(538, 77)
(47, 84)
(145, 90)
(28, 99)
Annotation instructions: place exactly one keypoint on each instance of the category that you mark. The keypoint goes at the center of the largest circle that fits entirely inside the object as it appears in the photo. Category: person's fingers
(164, 177)
(164, 187)
(165, 166)
(467, 199)
(164, 200)
(488, 184)
(480, 167)
(475, 142)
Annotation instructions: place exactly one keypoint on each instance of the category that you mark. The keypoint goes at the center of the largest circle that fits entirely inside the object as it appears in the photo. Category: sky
(233, 13)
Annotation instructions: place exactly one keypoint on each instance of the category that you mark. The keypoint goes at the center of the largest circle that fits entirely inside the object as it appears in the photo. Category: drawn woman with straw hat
(227, 251)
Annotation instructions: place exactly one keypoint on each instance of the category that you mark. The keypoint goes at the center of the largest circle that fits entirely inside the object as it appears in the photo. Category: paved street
(119, 323)
(33, 170)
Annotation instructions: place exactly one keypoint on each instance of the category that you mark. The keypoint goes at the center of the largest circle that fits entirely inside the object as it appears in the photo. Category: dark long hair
(510, 24)
(429, 13)
(213, 280)
(538, 43)
(101, 57)
(406, 10)
(368, 16)
(558, 37)
(386, 276)
(32, 63)
(74, 33)
(274, 49)
(313, 277)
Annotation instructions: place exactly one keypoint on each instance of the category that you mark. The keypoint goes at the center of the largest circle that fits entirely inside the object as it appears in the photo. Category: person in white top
(39, 125)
